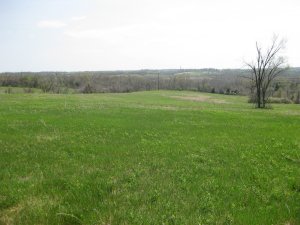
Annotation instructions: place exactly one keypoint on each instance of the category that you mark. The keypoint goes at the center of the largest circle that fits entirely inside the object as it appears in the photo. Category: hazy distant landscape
(229, 81)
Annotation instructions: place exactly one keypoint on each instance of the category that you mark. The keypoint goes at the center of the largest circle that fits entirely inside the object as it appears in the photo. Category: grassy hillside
(147, 158)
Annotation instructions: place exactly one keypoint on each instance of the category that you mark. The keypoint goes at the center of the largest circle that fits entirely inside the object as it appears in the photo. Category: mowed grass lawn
(161, 157)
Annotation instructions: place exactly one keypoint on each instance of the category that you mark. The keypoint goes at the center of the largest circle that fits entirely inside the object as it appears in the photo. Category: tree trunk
(263, 99)
(258, 94)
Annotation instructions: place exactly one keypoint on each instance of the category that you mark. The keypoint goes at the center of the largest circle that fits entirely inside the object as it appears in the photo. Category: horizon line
(129, 70)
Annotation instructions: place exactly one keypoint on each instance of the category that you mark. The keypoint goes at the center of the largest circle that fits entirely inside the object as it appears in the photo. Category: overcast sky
(71, 35)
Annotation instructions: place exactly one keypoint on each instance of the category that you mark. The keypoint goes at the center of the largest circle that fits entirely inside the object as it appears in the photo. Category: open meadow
(157, 157)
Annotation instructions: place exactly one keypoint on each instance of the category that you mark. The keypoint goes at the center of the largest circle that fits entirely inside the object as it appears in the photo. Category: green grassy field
(147, 158)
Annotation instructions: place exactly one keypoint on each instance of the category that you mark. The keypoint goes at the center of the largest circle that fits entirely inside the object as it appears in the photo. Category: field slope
(162, 157)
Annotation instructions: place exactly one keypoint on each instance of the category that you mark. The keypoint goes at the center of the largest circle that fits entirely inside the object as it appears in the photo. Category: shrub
(88, 89)
(28, 90)
(8, 90)
(279, 101)
(252, 99)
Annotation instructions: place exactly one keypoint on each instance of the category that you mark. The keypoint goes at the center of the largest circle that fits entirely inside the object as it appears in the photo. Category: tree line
(231, 81)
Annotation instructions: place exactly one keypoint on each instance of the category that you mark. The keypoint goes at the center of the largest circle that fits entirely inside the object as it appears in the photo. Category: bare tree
(267, 66)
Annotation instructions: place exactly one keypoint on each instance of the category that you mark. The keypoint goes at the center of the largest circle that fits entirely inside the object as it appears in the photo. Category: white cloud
(51, 24)
(93, 33)
(101, 33)
(78, 18)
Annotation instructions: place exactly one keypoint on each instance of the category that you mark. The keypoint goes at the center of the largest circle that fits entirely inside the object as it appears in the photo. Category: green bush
(279, 101)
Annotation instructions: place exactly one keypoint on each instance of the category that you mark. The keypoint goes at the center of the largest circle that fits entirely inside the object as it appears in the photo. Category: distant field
(161, 157)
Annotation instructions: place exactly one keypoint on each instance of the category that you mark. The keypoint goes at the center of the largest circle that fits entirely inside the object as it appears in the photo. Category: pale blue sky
(70, 35)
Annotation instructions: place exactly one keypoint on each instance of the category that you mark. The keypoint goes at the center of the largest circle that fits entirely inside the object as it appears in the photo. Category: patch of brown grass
(8, 215)
(200, 98)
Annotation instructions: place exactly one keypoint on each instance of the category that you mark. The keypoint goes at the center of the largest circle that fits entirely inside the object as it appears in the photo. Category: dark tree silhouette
(267, 66)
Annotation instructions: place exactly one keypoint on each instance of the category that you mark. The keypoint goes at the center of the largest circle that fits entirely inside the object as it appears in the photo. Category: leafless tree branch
(266, 68)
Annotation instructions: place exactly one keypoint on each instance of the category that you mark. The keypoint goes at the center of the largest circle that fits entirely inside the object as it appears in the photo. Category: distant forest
(227, 81)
